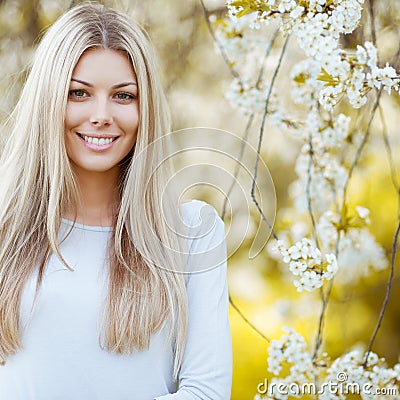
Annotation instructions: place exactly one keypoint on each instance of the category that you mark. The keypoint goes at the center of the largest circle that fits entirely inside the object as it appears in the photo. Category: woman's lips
(97, 143)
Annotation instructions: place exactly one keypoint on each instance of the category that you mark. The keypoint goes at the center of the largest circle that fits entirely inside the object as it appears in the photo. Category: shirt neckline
(84, 227)
(97, 228)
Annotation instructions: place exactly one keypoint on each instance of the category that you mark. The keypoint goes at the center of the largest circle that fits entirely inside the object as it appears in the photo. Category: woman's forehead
(104, 64)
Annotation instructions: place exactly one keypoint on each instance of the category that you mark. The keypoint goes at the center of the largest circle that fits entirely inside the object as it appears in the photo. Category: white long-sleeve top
(61, 357)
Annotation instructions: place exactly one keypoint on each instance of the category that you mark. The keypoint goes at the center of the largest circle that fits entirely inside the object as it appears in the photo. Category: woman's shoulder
(197, 212)
(206, 236)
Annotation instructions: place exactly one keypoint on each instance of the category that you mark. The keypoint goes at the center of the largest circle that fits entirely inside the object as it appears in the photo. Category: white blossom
(329, 74)
(376, 374)
(363, 213)
(359, 253)
(308, 264)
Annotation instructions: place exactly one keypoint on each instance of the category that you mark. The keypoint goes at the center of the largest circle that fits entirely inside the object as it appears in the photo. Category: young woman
(108, 288)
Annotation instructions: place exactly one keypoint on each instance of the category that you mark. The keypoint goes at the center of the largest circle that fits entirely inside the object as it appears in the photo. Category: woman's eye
(123, 96)
(77, 93)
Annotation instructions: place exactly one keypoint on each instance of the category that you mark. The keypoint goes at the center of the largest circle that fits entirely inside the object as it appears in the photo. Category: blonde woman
(108, 289)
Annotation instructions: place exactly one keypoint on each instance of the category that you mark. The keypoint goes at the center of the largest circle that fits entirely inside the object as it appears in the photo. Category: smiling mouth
(96, 140)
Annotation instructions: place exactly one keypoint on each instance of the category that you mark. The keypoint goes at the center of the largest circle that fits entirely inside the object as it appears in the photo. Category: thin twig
(237, 76)
(248, 126)
(361, 146)
(321, 321)
(322, 315)
(246, 320)
(308, 190)
(392, 165)
(396, 57)
(372, 19)
(387, 296)
(238, 164)
(351, 170)
(367, 293)
(264, 117)
(367, 133)
(396, 235)
(219, 45)
(325, 300)
(242, 147)
(267, 52)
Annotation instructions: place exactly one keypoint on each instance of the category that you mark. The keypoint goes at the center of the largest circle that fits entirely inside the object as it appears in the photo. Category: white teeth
(97, 141)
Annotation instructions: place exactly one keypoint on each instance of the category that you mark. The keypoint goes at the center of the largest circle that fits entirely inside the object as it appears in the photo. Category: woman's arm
(206, 371)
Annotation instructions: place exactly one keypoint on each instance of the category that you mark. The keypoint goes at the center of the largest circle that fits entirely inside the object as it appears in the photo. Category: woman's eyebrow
(117, 86)
(83, 82)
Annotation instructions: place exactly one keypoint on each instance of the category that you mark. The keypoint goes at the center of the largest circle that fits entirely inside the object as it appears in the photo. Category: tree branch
(221, 48)
(248, 125)
(372, 19)
(388, 292)
(264, 117)
(246, 320)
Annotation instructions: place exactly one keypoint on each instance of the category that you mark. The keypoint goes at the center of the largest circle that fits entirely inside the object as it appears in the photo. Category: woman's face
(102, 113)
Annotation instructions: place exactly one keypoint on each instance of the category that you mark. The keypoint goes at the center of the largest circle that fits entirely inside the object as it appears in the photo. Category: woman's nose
(101, 114)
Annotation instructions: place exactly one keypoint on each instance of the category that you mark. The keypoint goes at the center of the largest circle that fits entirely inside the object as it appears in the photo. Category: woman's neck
(99, 197)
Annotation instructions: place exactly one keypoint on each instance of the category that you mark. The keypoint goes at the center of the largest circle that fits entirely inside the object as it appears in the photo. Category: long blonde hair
(146, 289)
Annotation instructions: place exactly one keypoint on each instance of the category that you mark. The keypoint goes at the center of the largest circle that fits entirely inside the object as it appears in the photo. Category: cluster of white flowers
(244, 46)
(250, 99)
(246, 97)
(328, 74)
(290, 351)
(304, 76)
(317, 25)
(372, 381)
(332, 380)
(359, 253)
(362, 75)
(308, 264)
(323, 174)
(244, 43)
(327, 132)
(324, 18)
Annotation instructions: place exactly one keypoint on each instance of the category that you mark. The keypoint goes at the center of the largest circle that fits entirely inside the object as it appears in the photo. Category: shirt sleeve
(206, 372)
